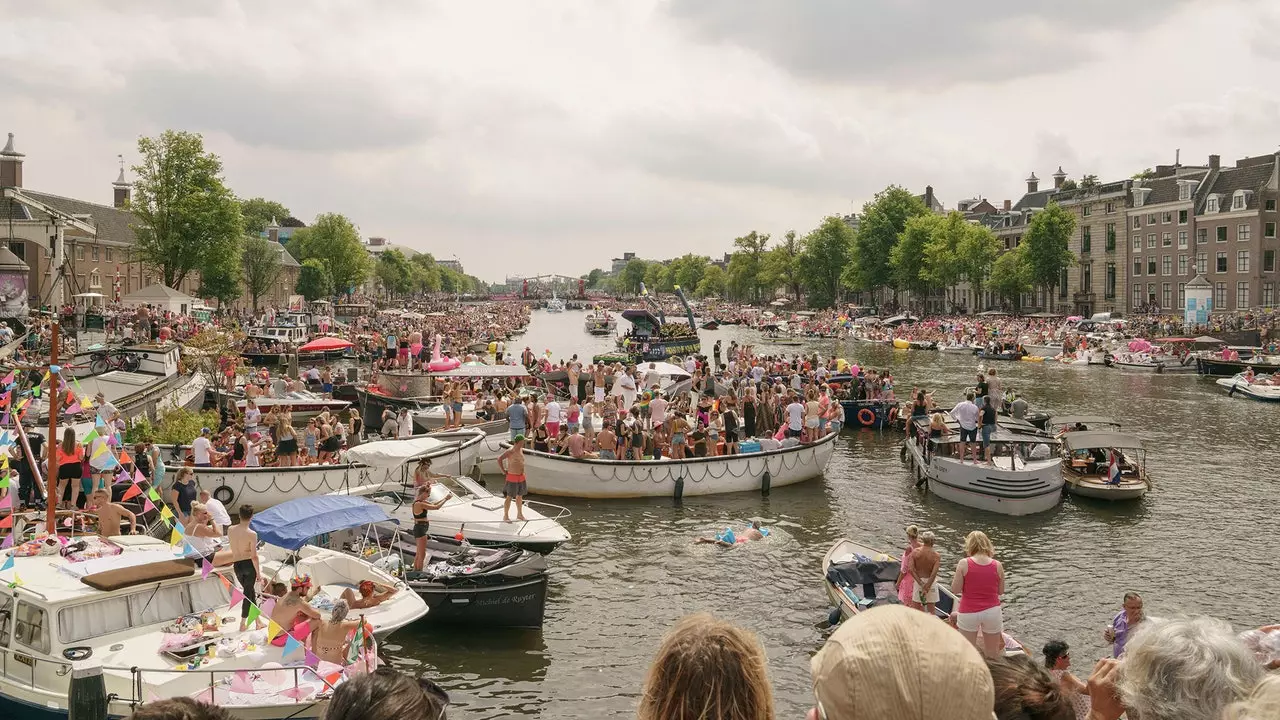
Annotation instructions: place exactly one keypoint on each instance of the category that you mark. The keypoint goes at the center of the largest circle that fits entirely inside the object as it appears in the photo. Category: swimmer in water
(728, 539)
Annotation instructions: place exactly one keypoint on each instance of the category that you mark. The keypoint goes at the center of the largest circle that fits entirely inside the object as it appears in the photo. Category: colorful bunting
(151, 493)
(6, 521)
(273, 628)
(73, 409)
(236, 597)
(90, 436)
(6, 502)
(206, 567)
(8, 563)
(165, 512)
(311, 659)
(132, 492)
(240, 683)
(16, 580)
(125, 459)
(146, 505)
(254, 612)
(291, 645)
(8, 541)
(175, 537)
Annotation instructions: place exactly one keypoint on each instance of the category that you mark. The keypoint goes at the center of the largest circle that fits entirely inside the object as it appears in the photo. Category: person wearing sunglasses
(386, 694)
(1057, 658)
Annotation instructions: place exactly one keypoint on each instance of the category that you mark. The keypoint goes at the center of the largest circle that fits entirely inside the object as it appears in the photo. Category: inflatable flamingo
(439, 364)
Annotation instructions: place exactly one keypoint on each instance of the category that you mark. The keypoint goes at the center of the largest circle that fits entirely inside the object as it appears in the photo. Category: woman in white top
(404, 424)
(252, 415)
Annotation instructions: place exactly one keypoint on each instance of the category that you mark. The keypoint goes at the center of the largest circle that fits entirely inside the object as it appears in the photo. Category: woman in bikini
(421, 525)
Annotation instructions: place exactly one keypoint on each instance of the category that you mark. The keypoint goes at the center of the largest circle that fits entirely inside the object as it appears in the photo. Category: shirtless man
(111, 514)
(329, 637)
(244, 560)
(597, 380)
(293, 607)
(511, 463)
(922, 565)
(369, 595)
(578, 447)
(608, 444)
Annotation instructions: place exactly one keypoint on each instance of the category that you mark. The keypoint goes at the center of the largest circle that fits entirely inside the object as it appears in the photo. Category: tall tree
(942, 254)
(220, 277)
(882, 222)
(1045, 245)
(1011, 276)
(189, 219)
(260, 260)
(712, 283)
(393, 273)
(751, 249)
(259, 212)
(688, 269)
(907, 258)
(824, 255)
(593, 277)
(782, 264)
(314, 281)
(655, 276)
(632, 275)
(976, 255)
(335, 242)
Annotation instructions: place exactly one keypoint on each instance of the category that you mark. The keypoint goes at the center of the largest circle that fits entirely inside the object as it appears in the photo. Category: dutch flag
(1113, 469)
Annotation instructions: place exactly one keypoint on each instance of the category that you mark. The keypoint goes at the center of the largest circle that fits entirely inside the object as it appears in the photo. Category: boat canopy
(642, 315)
(291, 524)
(1207, 340)
(393, 453)
(1086, 420)
(664, 369)
(1088, 440)
(483, 371)
(899, 320)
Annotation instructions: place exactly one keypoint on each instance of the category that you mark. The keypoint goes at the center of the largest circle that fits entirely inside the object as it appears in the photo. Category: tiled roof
(1250, 177)
(13, 210)
(1165, 189)
(286, 259)
(1035, 200)
(112, 224)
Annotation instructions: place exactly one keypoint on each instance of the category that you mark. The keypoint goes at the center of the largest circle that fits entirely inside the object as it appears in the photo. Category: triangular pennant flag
(123, 476)
(236, 597)
(254, 612)
(124, 458)
(179, 527)
(151, 493)
(175, 537)
(91, 435)
(137, 476)
(97, 422)
(291, 645)
(132, 492)
(4, 483)
(6, 501)
(240, 683)
(301, 692)
(311, 659)
(6, 521)
(98, 451)
(273, 628)
(165, 512)
(35, 391)
(8, 541)
(7, 378)
(16, 580)
(8, 563)
(206, 567)
(109, 463)
(73, 409)
(268, 605)
(146, 504)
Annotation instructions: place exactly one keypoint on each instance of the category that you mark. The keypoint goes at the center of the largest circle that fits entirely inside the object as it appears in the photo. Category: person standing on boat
(979, 582)
(1124, 623)
(988, 425)
(994, 388)
(404, 424)
(906, 584)
(967, 415)
(922, 566)
(244, 561)
(511, 463)
(421, 525)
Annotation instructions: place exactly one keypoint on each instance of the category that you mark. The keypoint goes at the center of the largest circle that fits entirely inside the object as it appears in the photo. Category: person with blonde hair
(906, 584)
(1263, 704)
(979, 582)
(707, 669)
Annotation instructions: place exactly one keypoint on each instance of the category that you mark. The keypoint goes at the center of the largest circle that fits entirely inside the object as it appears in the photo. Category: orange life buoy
(866, 417)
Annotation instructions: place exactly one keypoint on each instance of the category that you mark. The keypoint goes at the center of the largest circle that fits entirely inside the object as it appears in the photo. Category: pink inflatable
(439, 364)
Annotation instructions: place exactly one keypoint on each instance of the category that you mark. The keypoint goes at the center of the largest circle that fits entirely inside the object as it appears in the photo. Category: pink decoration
(267, 606)
(205, 568)
(236, 597)
(240, 683)
(298, 693)
(312, 659)
(439, 364)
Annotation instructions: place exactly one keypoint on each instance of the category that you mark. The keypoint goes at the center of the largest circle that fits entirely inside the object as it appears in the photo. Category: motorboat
(1104, 464)
(959, 348)
(1023, 477)
(1044, 351)
(461, 584)
(1084, 357)
(370, 463)
(470, 509)
(433, 417)
(566, 476)
(858, 578)
(600, 322)
(871, 414)
(1260, 387)
(302, 405)
(1212, 363)
(160, 627)
(1147, 362)
(1080, 423)
(555, 304)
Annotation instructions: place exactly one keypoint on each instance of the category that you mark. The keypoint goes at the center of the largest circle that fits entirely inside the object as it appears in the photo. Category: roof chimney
(120, 188)
(1215, 161)
(273, 231)
(1033, 183)
(1008, 205)
(1059, 178)
(928, 197)
(10, 165)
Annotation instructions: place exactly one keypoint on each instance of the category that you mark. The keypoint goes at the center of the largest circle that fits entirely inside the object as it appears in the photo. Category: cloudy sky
(536, 136)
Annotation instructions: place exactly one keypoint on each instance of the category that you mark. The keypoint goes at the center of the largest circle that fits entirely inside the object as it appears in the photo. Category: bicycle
(101, 361)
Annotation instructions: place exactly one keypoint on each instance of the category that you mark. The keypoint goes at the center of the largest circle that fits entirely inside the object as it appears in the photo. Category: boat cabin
(288, 334)
(1089, 453)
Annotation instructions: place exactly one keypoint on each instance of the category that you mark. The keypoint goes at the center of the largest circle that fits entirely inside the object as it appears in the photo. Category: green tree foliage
(782, 265)
(976, 255)
(632, 275)
(1045, 245)
(657, 277)
(394, 273)
(314, 281)
(1068, 184)
(424, 273)
(941, 263)
(259, 212)
(882, 223)
(907, 258)
(189, 219)
(750, 252)
(220, 277)
(1146, 174)
(1011, 275)
(824, 255)
(335, 242)
(593, 277)
(687, 270)
(712, 283)
(260, 261)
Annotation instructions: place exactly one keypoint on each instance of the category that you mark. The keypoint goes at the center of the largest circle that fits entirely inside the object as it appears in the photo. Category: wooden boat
(847, 564)
(565, 476)
(1104, 464)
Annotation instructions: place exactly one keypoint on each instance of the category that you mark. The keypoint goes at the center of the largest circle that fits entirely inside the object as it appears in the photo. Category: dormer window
(1185, 189)
(1140, 196)
(1239, 200)
(1212, 205)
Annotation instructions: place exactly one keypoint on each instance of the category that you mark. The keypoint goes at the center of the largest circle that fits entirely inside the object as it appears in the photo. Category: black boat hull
(1230, 368)
(520, 602)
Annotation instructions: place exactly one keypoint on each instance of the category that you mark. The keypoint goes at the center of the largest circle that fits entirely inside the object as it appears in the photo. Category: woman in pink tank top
(979, 582)
(905, 583)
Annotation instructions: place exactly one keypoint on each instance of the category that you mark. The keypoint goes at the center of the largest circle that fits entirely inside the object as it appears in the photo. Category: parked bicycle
(101, 361)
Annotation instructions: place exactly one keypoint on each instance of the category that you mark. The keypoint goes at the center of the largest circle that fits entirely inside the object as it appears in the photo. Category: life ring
(866, 417)
(77, 653)
(223, 494)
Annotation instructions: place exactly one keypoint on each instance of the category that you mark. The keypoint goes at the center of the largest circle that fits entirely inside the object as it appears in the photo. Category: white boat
(1045, 351)
(114, 611)
(960, 349)
(1083, 357)
(1087, 465)
(433, 417)
(1259, 389)
(371, 463)
(473, 511)
(600, 322)
(555, 304)
(566, 476)
(301, 404)
(1146, 362)
(1021, 478)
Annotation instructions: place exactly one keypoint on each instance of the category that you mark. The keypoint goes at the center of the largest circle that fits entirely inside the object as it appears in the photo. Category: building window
(1220, 295)
(1184, 191)
(1167, 218)
(1222, 233)
(95, 253)
(1268, 260)
(1166, 295)
(1062, 284)
(108, 254)
(1151, 293)
(95, 280)
(1110, 288)
(1211, 206)
(1086, 239)
(1151, 264)
(1111, 237)
(1242, 261)
(1271, 205)
(1221, 265)
(1137, 296)
(1137, 221)
(1111, 207)
(1269, 230)
(80, 253)
(1086, 277)
(1087, 210)
(1202, 263)
(1166, 240)
(1202, 236)
(1243, 232)
(1166, 265)
(1242, 295)
(1151, 219)
(1182, 264)
(1137, 242)
(1237, 201)
(19, 248)
(1137, 267)
(1151, 240)
(1182, 239)
(1268, 294)
(1182, 217)
(1182, 295)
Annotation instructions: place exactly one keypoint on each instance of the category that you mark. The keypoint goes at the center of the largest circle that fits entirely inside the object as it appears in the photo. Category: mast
(55, 373)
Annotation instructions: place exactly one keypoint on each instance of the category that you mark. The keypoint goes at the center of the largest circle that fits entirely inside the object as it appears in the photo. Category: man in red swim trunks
(511, 463)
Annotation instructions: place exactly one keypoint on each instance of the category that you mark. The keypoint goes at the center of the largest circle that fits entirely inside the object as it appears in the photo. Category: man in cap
(894, 662)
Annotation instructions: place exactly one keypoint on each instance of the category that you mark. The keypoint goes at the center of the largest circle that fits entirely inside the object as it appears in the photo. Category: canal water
(1203, 541)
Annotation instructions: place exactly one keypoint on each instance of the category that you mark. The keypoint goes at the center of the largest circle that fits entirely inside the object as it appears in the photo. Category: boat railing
(30, 660)
(215, 677)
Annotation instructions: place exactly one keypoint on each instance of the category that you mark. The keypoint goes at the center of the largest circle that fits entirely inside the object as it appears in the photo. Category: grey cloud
(925, 42)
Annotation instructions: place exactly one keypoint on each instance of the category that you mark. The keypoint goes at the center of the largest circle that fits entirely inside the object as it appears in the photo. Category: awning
(1088, 440)
(1210, 340)
(291, 524)
(325, 344)
(392, 453)
(483, 371)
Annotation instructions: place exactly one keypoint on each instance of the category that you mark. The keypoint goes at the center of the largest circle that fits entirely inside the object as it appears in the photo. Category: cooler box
(749, 446)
